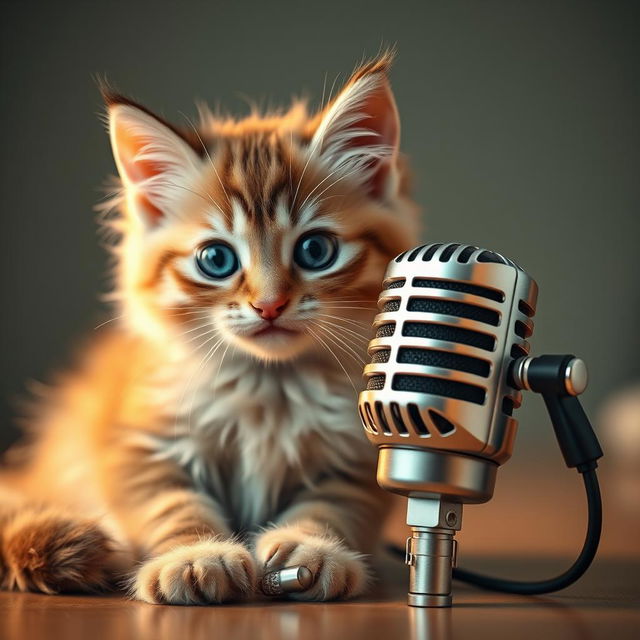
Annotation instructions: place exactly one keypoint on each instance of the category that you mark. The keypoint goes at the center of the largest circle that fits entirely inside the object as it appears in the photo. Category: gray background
(520, 119)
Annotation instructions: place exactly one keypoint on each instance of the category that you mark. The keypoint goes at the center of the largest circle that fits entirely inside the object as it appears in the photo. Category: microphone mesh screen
(442, 359)
(450, 308)
(451, 318)
(392, 305)
(464, 287)
(437, 387)
(386, 330)
(376, 383)
(381, 356)
(448, 334)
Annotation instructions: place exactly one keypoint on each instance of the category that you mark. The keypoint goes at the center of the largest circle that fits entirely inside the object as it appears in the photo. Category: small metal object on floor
(287, 580)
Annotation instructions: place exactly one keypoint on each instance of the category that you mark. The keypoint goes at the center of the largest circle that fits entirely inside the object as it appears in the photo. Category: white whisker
(346, 175)
(353, 333)
(317, 187)
(201, 335)
(324, 88)
(340, 343)
(195, 193)
(313, 149)
(224, 353)
(290, 159)
(184, 308)
(203, 364)
(333, 86)
(213, 166)
(356, 308)
(364, 325)
(203, 325)
(109, 320)
(191, 377)
(317, 337)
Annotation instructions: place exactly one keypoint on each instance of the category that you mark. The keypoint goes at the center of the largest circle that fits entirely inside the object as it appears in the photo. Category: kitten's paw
(47, 551)
(338, 572)
(211, 571)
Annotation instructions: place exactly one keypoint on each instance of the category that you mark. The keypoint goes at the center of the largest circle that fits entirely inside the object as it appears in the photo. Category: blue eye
(217, 260)
(316, 251)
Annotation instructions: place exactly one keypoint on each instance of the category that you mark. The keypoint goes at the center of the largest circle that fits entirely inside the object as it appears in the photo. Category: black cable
(571, 575)
(577, 569)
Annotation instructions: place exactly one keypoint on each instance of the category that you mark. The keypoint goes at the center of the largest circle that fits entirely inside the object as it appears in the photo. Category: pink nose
(270, 309)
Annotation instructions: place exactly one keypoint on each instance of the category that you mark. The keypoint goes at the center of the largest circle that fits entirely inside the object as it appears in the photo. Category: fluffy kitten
(213, 432)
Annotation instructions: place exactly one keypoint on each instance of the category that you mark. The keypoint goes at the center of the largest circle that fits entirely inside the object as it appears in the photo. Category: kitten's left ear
(359, 131)
(156, 164)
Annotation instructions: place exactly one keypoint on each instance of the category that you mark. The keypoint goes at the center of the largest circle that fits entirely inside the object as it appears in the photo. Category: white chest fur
(251, 433)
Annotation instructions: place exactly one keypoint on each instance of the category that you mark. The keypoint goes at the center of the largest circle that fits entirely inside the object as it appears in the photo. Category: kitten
(213, 433)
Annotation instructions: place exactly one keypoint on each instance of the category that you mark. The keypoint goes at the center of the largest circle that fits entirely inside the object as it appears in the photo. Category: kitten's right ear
(358, 133)
(155, 163)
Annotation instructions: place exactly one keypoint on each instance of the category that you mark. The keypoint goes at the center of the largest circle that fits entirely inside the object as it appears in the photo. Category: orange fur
(45, 551)
(165, 446)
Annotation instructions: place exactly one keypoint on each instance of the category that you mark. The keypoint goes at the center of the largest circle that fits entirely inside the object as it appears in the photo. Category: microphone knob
(564, 375)
(576, 377)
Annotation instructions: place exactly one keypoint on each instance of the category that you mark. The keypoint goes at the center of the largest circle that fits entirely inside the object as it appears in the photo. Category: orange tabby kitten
(213, 433)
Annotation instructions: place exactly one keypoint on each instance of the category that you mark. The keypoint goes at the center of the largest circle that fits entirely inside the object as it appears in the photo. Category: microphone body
(439, 396)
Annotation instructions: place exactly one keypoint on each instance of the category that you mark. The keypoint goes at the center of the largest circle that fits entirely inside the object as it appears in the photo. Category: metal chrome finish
(287, 580)
(430, 624)
(521, 372)
(433, 474)
(576, 377)
(438, 403)
(431, 553)
(482, 430)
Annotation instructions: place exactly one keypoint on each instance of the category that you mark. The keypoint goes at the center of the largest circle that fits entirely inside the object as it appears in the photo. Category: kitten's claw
(211, 571)
(337, 571)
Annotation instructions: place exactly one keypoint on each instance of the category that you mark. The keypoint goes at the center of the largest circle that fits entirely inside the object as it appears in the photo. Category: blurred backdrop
(521, 122)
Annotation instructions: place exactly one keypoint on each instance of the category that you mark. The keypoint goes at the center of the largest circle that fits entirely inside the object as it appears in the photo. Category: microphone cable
(571, 575)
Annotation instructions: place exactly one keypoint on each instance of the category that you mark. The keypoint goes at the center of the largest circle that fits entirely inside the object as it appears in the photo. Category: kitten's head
(270, 233)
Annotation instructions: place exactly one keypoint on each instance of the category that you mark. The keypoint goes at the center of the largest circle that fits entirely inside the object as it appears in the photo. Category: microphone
(448, 361)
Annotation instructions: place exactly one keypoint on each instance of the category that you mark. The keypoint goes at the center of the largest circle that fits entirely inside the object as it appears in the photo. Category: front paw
(338, 572)
(210, 571)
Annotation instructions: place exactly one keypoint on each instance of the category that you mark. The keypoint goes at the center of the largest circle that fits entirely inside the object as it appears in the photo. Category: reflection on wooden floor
(605, 605)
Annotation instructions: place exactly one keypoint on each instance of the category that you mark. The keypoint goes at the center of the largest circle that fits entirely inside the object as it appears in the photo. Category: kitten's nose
(270, 309)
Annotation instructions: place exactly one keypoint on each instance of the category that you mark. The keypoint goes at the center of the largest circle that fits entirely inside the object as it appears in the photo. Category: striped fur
(188, 438)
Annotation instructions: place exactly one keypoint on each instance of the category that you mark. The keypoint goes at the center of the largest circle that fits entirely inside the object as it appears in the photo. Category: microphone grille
(460, 253)
(452, 316)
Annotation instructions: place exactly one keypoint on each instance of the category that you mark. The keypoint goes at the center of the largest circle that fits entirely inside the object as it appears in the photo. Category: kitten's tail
(44, 549)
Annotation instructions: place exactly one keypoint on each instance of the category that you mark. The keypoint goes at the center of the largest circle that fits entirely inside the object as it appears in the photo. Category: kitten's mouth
(273, 330)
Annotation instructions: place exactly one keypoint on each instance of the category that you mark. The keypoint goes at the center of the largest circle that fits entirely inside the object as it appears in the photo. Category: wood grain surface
(605, 604)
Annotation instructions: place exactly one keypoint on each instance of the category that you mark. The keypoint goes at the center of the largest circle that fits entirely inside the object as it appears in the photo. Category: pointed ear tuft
(359, 131)
(155, 163)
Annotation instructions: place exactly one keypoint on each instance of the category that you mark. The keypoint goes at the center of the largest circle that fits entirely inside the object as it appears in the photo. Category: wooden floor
(605, 604)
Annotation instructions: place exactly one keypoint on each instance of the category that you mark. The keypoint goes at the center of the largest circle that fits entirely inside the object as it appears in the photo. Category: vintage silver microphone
(448, 360)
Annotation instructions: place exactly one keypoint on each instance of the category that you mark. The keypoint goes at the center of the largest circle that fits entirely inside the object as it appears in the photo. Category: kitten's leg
(327, 530)
(190, 556)
(43, 549)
